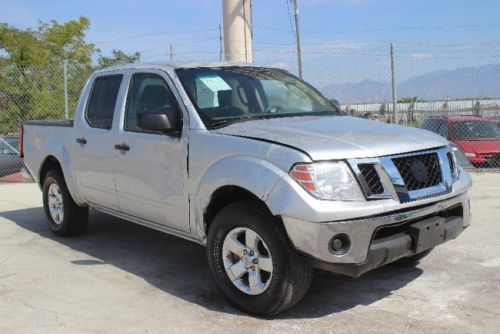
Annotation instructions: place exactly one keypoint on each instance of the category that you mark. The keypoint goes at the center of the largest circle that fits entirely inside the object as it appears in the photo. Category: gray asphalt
(124, 278)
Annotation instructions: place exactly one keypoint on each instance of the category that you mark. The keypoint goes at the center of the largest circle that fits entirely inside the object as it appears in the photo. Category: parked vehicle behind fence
(477, 137)
(256, 165)
(10, 161)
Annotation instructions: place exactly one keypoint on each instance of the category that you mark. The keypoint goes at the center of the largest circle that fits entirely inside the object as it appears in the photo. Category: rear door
(93, 150)
(151, 172)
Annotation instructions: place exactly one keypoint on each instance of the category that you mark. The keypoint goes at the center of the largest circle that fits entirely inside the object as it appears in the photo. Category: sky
(343, 40)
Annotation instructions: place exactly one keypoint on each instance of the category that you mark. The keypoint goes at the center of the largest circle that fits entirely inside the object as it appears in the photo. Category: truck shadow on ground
(179, 267)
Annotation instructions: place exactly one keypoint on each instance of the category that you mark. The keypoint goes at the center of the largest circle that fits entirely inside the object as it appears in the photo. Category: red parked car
(477, 137)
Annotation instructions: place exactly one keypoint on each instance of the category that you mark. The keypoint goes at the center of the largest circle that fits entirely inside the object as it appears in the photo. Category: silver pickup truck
(256, 165)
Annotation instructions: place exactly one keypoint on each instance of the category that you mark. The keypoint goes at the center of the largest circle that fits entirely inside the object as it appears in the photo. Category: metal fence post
(394, 91)
(66, 114)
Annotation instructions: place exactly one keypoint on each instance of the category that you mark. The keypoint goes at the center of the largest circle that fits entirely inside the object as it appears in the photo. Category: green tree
(118, 57)
(31, 69)
(410, 99)
(31, 80)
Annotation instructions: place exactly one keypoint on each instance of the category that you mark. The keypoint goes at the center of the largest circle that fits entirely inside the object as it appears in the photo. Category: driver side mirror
(159, 122)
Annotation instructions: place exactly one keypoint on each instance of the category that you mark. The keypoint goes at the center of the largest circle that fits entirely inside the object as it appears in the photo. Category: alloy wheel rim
(247, 261)
(56, 205)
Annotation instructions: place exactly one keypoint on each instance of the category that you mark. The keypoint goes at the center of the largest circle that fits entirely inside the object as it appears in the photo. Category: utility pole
(297, 36)
(171, 53)
(394, 91)
(220, 42)
(65, 70)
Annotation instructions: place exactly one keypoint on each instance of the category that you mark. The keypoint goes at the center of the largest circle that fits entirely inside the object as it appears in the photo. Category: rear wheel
(252, 261)
(64, 216)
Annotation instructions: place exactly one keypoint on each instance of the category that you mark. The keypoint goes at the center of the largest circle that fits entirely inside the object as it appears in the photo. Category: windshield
(231, 94)
(475, 130)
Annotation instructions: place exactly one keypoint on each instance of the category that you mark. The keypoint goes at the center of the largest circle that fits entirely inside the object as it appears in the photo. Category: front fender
(255, 175)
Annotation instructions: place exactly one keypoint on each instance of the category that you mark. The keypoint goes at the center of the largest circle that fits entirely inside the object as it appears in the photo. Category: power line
(155, 34)
(178, 44)
(379, 29)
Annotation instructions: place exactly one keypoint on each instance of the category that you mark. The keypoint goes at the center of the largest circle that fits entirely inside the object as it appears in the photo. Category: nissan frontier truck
(256, 165)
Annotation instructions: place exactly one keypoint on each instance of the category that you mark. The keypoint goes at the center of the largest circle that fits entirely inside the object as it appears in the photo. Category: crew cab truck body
(256, 165)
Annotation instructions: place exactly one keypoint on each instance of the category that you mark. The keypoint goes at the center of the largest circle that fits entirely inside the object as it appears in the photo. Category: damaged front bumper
(379, 240)
(421, 236)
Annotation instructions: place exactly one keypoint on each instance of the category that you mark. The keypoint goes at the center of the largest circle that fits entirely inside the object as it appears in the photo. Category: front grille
(371, 178)
(419, 171)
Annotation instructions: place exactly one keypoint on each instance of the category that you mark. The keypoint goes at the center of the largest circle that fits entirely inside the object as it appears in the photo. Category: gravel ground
(124, 278)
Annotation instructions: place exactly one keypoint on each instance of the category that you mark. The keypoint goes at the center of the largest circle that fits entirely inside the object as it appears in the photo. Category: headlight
(470, 154)
(455, 168)
(328, 180)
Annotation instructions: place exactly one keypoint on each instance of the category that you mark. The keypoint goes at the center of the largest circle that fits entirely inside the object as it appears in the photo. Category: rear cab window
(102, 101)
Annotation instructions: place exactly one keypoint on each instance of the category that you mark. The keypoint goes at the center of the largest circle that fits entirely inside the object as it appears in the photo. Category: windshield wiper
(225, 122)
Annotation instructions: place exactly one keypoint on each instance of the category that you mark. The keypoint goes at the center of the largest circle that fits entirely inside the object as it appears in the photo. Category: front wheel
(64, 216)
(252, 261)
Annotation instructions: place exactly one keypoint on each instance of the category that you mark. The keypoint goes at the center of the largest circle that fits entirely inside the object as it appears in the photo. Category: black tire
(291, 276)
(412, 260)
(75, 218)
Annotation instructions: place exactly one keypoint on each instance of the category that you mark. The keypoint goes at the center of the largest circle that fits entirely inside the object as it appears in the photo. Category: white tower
(237, 20)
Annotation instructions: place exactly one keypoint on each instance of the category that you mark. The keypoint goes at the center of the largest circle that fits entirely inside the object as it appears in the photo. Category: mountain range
(464, 82)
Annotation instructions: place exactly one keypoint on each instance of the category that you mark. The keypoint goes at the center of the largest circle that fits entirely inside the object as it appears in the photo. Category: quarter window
(102, 101)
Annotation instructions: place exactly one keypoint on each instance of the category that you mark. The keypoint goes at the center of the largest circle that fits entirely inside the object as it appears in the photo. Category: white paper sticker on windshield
(215, 83)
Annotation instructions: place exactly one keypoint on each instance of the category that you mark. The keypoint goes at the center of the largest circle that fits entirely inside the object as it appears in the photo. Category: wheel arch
(230, 180)
(51, 162)
(225, 196)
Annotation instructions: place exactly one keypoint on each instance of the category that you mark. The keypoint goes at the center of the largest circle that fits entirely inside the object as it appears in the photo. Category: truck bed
(45, 138)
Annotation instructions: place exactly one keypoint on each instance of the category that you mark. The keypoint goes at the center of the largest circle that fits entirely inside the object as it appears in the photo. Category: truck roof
(172, 66)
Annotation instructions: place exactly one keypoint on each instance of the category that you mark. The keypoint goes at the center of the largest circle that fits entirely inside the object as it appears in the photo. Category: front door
(151, 169)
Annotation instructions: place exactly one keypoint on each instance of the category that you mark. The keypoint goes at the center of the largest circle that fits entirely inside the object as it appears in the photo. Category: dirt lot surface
(124, 278)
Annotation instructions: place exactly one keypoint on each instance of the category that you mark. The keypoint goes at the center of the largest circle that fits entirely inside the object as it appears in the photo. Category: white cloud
(333, 47)
(420, 56)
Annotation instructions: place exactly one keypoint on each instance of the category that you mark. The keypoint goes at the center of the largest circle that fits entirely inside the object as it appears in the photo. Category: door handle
(81, 141)
(122, 147)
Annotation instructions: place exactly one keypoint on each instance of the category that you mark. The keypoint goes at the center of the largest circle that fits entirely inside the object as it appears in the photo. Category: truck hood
(337, 137)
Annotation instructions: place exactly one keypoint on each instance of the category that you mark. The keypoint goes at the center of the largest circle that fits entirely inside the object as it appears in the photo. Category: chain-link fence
(451, 91)
(34, 92)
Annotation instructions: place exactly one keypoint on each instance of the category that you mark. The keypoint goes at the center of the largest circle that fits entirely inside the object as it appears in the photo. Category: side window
(443, 129)
(6, 148)
(102, 101)
(431, 124)
(148, 93)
